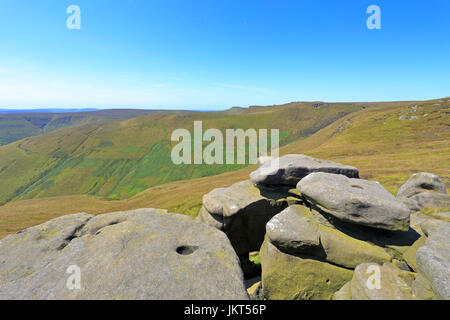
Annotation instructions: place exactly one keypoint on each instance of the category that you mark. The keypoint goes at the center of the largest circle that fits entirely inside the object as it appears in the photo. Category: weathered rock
(213, 220)
(355, 200)
(395, 242)
(242, 211)
(374, 282)
(426, 200)
(297, 230)
(433, 260)
(348, 252)
(424, 191)
(296, 277)
(410, 254)
(290, 169)
(402, 265)
(421, 221)
(431, 225)
(255, 291)
(444, 216)
(410, 203)
(345, 293)
(421, 182)
(421, 288)
(293, 231)
(140, 254)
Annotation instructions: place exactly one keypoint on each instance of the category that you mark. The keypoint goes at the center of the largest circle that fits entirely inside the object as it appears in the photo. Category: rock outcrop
(241, 211)
(433, 264)
(371, 281)
(140, 254)
(320, 241)
(307, 243)
(291, 277)
(290, 169)
(312, 228)
(424, 191)
(355, 200)
(421, 182)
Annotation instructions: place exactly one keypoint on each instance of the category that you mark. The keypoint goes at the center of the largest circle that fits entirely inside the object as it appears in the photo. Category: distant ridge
(48, 110)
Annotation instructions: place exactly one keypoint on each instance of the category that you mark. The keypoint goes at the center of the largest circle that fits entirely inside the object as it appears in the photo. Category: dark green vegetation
(117, 159)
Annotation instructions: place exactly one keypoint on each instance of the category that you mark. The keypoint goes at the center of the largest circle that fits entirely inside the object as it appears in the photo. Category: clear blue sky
(214, 54)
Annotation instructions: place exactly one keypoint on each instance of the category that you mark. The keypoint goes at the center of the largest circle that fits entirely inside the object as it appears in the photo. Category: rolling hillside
(118, 159)
(16, 126)
(373, 139)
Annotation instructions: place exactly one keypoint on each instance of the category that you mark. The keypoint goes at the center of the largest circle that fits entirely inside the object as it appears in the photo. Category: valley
(374, 139)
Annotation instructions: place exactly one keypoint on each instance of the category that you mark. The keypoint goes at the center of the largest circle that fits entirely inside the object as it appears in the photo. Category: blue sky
(214, 54)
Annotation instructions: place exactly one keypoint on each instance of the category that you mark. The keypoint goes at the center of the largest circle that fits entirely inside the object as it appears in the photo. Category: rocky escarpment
(140, 254)
(300, 228)
(333, 233)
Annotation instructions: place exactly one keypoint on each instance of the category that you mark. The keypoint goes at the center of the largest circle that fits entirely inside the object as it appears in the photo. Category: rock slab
(139, 254)
(290, 169)
(355, 200)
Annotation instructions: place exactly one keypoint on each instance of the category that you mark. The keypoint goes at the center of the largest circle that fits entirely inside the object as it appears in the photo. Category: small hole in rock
(186, 250)
(357, 187)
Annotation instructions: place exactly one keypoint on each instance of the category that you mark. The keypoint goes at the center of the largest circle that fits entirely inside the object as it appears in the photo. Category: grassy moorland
(16, 126)
(119, 159)
(373, 139)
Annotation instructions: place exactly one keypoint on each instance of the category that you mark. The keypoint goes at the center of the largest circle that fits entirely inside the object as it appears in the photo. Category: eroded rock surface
(139, 254)
(242, 211)
(355, 200)
(290, 169)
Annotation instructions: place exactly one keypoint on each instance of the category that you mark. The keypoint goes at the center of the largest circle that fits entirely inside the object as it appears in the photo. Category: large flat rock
(139, 254)
(290, 169)
(355, 200)
(297, 230)
(296, 277)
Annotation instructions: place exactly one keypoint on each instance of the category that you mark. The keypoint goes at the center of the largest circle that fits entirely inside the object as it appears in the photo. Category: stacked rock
(320, 229)
(310, 250)
(429, 257)
(243, 209)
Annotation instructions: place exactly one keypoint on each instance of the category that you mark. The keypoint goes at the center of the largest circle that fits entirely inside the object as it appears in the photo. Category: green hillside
(16, 126)
(117, 159)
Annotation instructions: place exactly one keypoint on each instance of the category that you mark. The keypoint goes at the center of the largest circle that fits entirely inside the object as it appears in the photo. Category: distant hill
(16, 125)
(48, 110)
(372, 138)
(118, 159)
